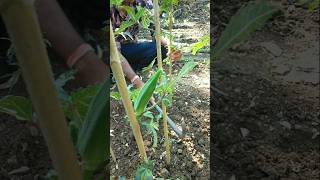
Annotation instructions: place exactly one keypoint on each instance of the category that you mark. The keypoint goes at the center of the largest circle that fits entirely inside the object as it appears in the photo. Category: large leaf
(146, 92)
(185, 70)
(247, 20)
(19, 107)
(81, 99)
(93, 140)
(168, 86)
(144, 171)
(204, 41)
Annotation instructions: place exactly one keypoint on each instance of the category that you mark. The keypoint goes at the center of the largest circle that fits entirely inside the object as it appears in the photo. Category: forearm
(127, 69)
(57, 27)
(65, 41)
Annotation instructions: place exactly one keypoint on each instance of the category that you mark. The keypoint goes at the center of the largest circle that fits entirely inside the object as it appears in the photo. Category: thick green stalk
(21, 22)
(122, 86)
(159, 58)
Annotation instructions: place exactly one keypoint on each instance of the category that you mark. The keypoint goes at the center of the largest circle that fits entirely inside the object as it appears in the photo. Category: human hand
(91, 70)
(164, 41)
(137, 83)
(175, 55)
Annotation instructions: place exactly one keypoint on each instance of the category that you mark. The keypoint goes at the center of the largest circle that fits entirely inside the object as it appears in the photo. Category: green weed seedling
(247, 20)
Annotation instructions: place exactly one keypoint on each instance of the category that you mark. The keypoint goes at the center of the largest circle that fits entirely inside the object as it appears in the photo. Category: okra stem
(122, 86)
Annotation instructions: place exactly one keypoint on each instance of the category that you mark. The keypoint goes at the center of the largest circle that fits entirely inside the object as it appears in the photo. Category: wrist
(86, 60)
(78, 54)
(134, 79)
(91, 70)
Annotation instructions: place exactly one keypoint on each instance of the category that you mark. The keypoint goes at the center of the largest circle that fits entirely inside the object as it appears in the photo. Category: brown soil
(23, 152)
(190, 155)
(266, 110)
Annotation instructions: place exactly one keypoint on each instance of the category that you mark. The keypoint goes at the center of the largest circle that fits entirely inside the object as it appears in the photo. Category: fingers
(175, 55)
(138, 84)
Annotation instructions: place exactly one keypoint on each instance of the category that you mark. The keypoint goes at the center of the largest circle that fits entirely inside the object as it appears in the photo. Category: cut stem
(170, 46)
(22, 24)
(166, 133)
(123, 90)
(159, 58)
(157, 33)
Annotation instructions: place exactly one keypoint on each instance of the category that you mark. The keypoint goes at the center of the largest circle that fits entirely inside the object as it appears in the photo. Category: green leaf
(146, 19)
(149, 67)
(204, 41)
(154, 138)
(124, 25)
(145, 93)
(93, 140)
(17, 106)
(167, 101)
(152, 128)
(159, 116)
(115, 2)
(60, 82)
(314, 5)
(115, 95)
(184, 71)
(64, 78)
(131, 13)
(52, 175)
(148, 114)
(144, 171)
(247, 20)
(81, 99)
(134, 94)
(74, 128)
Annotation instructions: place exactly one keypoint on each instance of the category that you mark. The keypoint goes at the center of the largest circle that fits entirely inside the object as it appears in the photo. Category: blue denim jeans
(140, 55)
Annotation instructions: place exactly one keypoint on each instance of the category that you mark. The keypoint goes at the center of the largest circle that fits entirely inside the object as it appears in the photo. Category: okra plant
(159, 85)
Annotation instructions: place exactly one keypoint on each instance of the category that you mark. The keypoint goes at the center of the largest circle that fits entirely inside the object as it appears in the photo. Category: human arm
(65, 40)
(130, 74)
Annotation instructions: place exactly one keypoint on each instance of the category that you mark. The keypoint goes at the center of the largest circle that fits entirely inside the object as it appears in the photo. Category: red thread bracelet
(78, 53)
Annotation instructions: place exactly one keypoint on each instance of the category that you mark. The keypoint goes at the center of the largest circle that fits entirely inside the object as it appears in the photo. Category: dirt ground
(265, 107)
(190, 155)
(23, 151)
(265, 99)
(24, 154)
